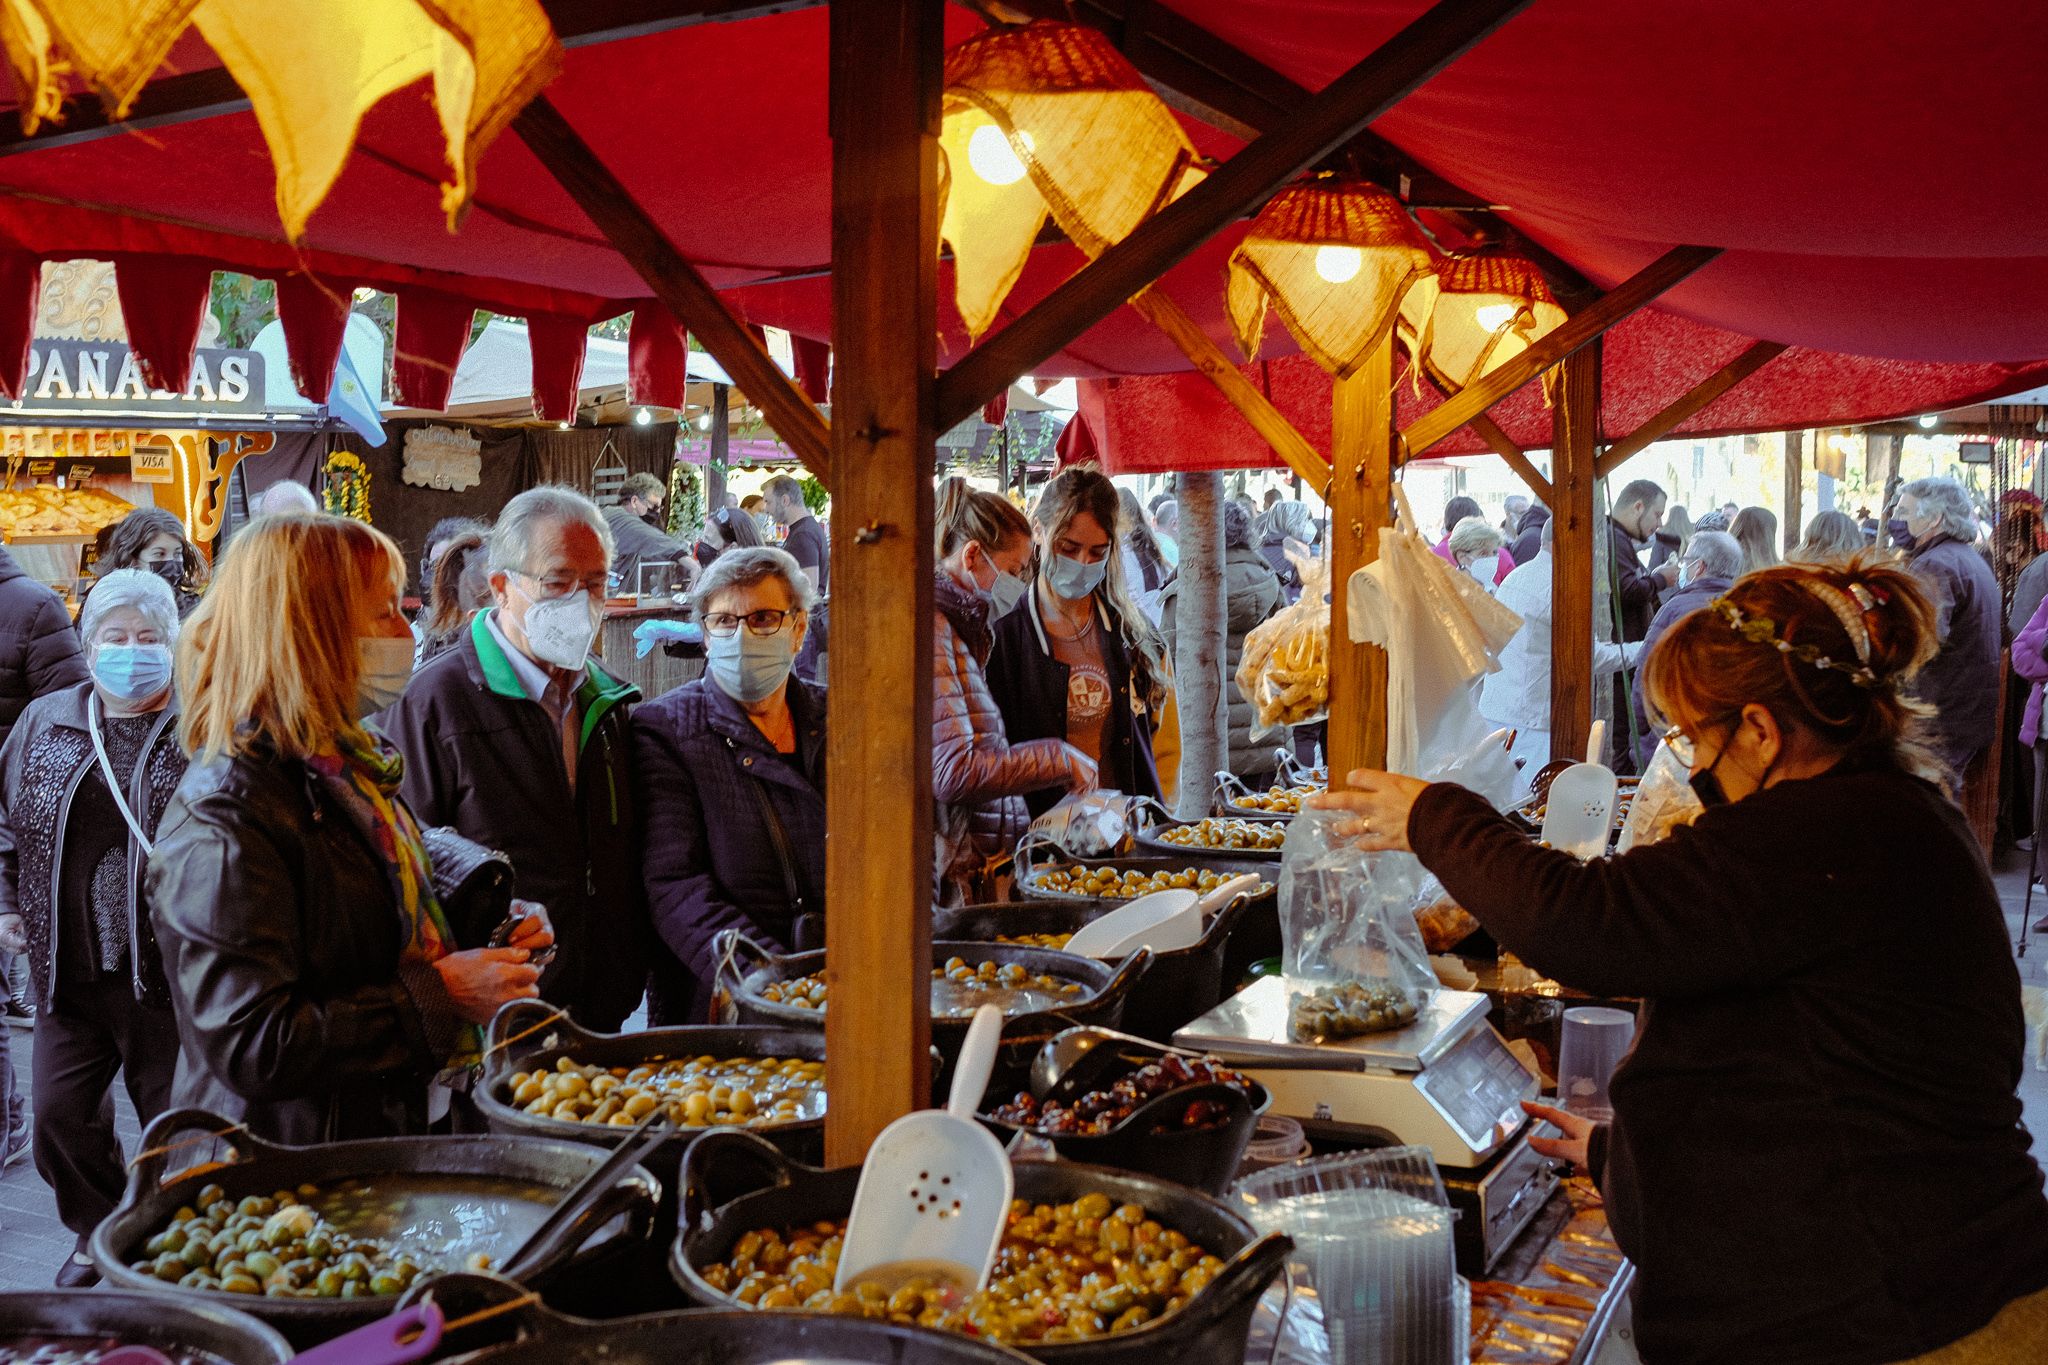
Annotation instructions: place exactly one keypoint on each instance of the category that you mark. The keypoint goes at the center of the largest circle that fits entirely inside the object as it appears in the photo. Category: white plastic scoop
(1580, 814)
(1163, 921)
(935, 1191)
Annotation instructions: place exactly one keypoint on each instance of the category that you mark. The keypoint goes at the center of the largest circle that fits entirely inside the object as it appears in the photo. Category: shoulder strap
(777, 835)
(99, 745)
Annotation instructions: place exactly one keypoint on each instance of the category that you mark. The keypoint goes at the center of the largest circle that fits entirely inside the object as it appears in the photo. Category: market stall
(871, 208)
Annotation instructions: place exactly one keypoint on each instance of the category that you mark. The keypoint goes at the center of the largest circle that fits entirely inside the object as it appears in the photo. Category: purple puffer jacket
(2029, 664)
(979, 778)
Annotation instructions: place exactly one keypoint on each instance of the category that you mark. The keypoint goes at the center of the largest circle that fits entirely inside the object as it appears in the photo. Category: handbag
(472, 883)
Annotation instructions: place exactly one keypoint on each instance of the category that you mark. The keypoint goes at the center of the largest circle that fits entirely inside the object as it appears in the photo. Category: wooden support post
(1436, 38)
(1692, 401)
(681, 289)
(1361, 477)
(1575, 433)
(1795, 478)
(1589, 322)
(1241, 393)
(886, 61)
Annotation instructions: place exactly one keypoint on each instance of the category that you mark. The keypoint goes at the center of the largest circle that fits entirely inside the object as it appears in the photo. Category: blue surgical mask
(1008, 591)
(1902, 535)
(132, 673)
(749, 667)
(1072, 580)
(1685, 575)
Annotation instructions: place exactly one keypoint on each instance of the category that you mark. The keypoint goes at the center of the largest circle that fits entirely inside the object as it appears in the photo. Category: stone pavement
(33, 1243)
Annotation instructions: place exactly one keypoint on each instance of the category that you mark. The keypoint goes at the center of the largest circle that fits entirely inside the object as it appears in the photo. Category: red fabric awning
(1870, 165)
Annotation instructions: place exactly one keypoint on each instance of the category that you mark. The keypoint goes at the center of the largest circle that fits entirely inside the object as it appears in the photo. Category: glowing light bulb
(1930, 421)
(992, 157)
(1339, 264)
(704, 422)
(1495, 316)
(642, 417)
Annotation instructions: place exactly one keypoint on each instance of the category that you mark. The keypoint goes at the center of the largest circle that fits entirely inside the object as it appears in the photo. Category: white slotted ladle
(1579, 817)
(935, 1190)
(1164, 921)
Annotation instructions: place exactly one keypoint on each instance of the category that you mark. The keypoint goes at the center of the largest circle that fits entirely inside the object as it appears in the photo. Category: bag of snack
(1664, 800)
(1444, 923)
(1285, 671)
(1350, 947)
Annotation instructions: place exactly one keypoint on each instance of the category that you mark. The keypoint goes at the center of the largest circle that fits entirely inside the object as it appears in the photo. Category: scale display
(1477, 1085)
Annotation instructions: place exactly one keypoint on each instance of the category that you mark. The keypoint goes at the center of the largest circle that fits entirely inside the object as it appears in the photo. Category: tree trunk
(721, 435)
(1198, 647)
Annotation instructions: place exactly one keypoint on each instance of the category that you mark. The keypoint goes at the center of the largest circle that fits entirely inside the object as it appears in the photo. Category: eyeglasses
(765, 622)
(1681, 745)
(561, 585)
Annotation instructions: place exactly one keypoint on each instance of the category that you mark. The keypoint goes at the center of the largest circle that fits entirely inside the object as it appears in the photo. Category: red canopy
(1871, 166)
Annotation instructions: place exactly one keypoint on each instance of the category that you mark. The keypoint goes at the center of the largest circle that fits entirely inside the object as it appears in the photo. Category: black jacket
(48, 753)
(1528, 541)
(485, 759)
(633, 540)
(1635, 588)
(39, 650)
(713, 857)
(281, 934)
(1817, 1153)
(1030, 688)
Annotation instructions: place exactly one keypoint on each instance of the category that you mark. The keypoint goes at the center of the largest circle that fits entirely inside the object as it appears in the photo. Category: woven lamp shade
(1479, 310)
(1047, 118)
(1334, 258)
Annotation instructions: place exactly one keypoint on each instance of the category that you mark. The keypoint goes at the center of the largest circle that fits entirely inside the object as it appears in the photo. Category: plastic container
(1276, 1141)
(1372, 1235)
(1593, 1042)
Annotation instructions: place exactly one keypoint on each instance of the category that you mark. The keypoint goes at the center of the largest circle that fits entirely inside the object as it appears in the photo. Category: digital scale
(1446, 1082)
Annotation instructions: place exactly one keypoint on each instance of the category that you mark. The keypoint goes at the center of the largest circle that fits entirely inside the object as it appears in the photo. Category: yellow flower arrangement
(348, 486)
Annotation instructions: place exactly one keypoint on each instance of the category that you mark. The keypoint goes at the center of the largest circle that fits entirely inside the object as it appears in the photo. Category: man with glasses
(519, 740)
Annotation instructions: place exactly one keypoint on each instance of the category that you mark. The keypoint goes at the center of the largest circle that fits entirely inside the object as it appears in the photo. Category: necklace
(1087, 628)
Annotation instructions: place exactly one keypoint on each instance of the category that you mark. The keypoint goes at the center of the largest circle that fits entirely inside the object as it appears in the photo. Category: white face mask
(386, 662)
(1482, 572)
(559, 630)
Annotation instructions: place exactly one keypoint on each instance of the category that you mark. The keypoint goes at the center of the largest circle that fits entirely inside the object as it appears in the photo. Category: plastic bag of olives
(1352, 954)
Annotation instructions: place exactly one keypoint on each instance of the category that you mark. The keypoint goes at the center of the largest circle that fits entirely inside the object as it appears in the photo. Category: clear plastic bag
(1285, 671)
(1442, 921)
(1664, 800)
(1350, 947)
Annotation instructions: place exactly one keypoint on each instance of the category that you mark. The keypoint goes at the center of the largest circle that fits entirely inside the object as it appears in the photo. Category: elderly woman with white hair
(1475, 548)
(1937, 528)
(731, 770)
(84, 780)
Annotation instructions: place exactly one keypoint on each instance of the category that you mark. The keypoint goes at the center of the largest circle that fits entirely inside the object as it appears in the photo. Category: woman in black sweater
(1816, 1154)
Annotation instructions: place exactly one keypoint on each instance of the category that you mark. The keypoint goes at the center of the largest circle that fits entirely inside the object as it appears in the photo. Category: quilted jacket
(39, 649)
(47, 755)
(979, 778)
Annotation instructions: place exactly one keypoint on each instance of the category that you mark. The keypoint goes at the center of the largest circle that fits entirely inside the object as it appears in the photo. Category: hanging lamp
(1478, 310)
(1047, 118)
(1334, 257)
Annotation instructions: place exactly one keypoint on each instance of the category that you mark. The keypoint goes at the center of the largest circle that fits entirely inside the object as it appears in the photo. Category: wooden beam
(1329, 119)
(685, 292)
(1795, 480)
(1517, 459)
(886, 76)
(1752, 359)
(1362, 427)
(1610, 308)
(194, 95)
(1241, 393)
(1575, 430)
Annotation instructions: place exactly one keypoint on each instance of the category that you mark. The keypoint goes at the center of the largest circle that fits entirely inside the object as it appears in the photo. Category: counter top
(623, 609)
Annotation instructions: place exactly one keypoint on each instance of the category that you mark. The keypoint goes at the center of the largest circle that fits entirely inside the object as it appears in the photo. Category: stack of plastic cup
(1374, 1255)
(1594, 1041)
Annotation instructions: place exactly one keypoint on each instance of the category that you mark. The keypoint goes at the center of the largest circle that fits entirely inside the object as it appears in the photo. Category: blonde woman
(1831, 537)
(311, 969)
(1756, 530)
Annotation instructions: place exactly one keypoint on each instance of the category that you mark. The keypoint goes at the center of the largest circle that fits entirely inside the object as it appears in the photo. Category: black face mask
(1901, 536)
(1707, 787)
(171, 571)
